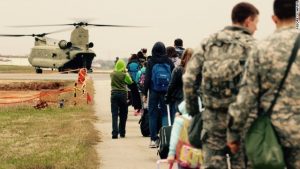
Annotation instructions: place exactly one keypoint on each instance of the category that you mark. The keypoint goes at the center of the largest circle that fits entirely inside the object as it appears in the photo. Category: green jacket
(120, 78)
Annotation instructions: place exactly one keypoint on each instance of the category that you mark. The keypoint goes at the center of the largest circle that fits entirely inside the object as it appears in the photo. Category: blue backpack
(161, 76)
(133, 68)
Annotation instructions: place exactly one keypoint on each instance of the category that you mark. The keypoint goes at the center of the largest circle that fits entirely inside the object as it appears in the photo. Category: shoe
(152, 144)
(114, 137)
(157, 143)
(122, 135)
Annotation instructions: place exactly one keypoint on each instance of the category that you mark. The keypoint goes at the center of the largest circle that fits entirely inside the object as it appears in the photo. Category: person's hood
(158, 50)
(120, 65)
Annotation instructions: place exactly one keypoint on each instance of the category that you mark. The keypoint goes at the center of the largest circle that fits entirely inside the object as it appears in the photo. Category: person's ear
(247, 21)
(275, 19)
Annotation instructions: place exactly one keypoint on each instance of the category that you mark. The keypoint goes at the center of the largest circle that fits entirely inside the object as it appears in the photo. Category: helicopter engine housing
(63, 44)
(90, 45)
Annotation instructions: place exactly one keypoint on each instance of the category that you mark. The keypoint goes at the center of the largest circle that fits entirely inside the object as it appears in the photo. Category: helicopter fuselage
(63, 55)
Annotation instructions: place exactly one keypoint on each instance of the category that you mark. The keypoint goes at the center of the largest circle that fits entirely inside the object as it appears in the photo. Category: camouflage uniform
(269, 63)
(214, 120)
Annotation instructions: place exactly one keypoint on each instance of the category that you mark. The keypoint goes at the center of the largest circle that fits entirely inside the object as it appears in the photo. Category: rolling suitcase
(164, 138)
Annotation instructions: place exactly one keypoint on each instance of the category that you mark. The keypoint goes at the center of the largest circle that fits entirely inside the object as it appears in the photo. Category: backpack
(186, 155)
(221, 72)
(161, 76)
(144, 123)
(133, 68)
(141, 80)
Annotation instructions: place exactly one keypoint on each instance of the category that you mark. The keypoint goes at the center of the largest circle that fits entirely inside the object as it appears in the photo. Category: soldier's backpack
(221, 73)
(161, 76)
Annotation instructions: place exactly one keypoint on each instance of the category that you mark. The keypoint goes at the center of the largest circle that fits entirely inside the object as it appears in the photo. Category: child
(119, 81)
(179, 130)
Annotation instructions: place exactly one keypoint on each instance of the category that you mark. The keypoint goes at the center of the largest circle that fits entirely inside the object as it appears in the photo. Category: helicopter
(62, 55)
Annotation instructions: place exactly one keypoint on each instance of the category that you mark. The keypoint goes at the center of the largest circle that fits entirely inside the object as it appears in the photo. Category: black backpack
(144, 124)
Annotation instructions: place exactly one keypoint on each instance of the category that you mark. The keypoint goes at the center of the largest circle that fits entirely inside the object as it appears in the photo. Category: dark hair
(242, 11)
(133, 56)
(171, 52)
(144, 50)
(284, 9)
(178, 42)
(186, 56)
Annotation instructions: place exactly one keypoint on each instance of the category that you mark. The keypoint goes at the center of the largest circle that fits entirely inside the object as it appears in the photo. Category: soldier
(216, 67)
(269, 63)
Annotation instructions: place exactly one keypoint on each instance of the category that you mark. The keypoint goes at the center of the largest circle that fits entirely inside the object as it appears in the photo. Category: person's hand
(145, 99)
(171, 159)
(234, 146)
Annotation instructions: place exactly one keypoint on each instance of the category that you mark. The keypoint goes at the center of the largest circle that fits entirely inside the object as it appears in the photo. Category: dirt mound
(23, 86)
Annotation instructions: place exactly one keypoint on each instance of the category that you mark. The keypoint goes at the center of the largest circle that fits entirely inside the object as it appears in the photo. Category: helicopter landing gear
(38, 70)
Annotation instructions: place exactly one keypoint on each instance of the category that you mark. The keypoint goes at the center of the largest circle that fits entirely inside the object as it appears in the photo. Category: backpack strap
(291, 61)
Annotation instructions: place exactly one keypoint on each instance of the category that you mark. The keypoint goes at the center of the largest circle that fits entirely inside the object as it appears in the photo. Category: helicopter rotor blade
(82, 23)
(34, 35)
(15, 35)
(58, 31)
(28, 26)
(103, 25)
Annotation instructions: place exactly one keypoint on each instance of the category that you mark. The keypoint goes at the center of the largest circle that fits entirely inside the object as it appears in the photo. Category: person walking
(119, 108)
(175, 90)
(266, 68)
(214, 73)
(158, 76)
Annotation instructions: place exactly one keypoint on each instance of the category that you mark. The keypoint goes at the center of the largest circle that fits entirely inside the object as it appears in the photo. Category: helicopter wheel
(39, 70)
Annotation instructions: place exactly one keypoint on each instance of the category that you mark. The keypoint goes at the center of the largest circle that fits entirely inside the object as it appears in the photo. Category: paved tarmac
(131, 152)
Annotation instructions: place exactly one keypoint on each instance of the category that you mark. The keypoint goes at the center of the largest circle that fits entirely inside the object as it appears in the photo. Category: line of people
(238, 81)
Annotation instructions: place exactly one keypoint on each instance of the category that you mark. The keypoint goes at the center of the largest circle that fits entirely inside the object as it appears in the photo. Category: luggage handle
(169, 115)
(163, 161)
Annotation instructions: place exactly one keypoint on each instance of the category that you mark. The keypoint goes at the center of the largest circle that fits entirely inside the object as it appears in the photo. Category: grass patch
(51, 138)
(16, 69)
(21, 69)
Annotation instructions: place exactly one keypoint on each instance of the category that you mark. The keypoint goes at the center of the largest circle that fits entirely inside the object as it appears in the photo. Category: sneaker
(122, 135)
(157, 143)
(114, 137)
(152, 144)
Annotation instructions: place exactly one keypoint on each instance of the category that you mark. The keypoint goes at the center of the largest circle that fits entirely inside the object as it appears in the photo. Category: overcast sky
(191, 20)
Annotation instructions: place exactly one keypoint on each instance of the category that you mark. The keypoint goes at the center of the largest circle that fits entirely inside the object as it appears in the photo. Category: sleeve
(138, 75)
(147, 78)
(174, 80)
(176, 129)
(192, 81)
(128, 79)
(247, 99)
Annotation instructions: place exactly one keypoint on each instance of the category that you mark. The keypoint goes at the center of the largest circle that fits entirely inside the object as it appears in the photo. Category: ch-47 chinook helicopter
(61, 54)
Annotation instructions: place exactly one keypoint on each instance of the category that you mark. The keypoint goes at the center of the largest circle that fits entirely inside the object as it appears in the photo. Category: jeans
(119, 109)
(156, 102)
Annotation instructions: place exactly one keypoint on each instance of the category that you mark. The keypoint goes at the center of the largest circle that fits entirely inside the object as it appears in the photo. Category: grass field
(50, 138)
(16, 69)
(20, 69)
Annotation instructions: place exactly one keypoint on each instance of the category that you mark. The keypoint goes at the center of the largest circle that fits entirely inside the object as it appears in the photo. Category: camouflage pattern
(214, 121)
(269, 63)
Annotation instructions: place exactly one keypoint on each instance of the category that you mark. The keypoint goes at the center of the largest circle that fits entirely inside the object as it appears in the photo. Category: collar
(238, 28)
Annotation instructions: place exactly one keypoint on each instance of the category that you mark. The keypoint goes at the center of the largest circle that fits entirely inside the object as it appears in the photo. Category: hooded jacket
(119, 77)
(158, 56)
